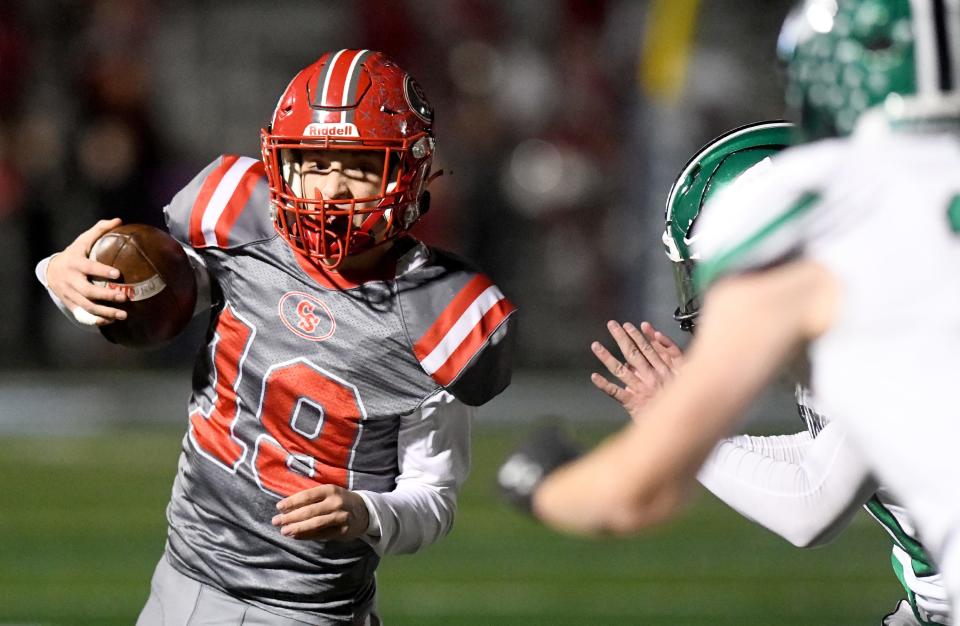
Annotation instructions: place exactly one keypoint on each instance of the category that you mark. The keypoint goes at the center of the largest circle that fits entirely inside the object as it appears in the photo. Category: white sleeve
(786, 448)
(88, 322)
(81, 318)
(804, 489)
(434, 458)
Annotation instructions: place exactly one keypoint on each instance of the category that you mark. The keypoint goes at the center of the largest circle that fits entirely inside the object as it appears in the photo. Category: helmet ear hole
(424, 203)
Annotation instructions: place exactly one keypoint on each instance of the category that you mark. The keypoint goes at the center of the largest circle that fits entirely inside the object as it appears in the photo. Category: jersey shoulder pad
(763, 220)
(461, 327)
(226, 205)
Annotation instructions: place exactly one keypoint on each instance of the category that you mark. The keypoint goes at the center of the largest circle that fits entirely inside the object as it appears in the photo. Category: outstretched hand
(323, 512)
(69, 274)
(650, 360)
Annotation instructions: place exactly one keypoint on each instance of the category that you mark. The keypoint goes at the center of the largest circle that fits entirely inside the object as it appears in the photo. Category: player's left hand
(324, 512)
(650, 360)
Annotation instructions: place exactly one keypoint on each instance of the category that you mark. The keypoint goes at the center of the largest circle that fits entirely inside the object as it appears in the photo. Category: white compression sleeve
(81, 318)
(88, 322)
(801, 488)
(434, 458)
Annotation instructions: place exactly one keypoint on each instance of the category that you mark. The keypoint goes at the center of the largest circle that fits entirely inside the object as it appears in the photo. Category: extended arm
(640, 476)
(805, 490)
(801, 488)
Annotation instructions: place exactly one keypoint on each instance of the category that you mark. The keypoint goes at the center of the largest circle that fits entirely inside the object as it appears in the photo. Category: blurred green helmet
(898, 59)
(712, 168)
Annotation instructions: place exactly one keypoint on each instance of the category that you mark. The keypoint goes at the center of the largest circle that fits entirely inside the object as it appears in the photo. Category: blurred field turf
(82, 526)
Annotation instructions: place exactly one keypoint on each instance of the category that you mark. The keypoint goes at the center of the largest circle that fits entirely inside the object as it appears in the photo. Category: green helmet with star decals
(712, 168)
(898, 60)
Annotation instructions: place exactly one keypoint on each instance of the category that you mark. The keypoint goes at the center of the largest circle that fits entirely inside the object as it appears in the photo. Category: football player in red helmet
(348, 156)
(329, 417)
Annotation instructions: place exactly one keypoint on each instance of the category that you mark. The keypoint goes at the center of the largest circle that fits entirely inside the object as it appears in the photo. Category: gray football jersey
(303, 381)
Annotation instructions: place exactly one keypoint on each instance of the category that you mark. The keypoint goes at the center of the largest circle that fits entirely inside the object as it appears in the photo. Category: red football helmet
(349, 100)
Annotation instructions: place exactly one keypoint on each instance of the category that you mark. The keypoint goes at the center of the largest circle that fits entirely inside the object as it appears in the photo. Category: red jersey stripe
(467, 349)
(445, 321)
(238, 200)
(207, 189)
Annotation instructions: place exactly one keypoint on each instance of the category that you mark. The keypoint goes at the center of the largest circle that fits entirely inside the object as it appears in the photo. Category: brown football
(159, 282)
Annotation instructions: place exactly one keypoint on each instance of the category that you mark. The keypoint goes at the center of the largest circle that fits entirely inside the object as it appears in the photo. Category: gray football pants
(178, 600)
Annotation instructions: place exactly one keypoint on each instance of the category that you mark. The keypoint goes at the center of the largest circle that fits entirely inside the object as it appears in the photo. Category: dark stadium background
(560, 126)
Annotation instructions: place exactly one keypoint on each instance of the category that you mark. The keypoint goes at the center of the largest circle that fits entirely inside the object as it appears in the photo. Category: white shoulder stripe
(221, 196)
(461, 329)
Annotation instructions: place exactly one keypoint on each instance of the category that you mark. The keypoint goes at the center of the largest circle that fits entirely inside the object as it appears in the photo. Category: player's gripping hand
(324, 512)
(650, 360)
(69, 273)
(545, 449)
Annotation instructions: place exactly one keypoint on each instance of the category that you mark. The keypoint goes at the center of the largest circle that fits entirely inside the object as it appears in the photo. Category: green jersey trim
(911, 595)
(953, 214)
(921, 562)
(709, 270)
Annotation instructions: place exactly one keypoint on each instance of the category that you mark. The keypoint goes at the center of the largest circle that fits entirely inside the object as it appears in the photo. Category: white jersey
(806, 487)
(882, 215)
(912, 565)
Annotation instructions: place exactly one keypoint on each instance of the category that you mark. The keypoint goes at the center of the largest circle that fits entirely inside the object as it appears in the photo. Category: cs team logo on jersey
(306, 316)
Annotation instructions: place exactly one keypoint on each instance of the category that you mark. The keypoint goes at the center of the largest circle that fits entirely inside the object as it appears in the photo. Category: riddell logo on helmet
(331, 130)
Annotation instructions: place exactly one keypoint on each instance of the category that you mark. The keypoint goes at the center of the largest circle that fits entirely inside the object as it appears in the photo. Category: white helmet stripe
(350, 86)
(329, 71)
(925, 48)
(936, 26)
(350, 77)
(952, 39)
(944, 59)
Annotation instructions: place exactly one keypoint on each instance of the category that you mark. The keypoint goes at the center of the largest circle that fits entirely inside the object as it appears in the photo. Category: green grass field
(81, 528)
